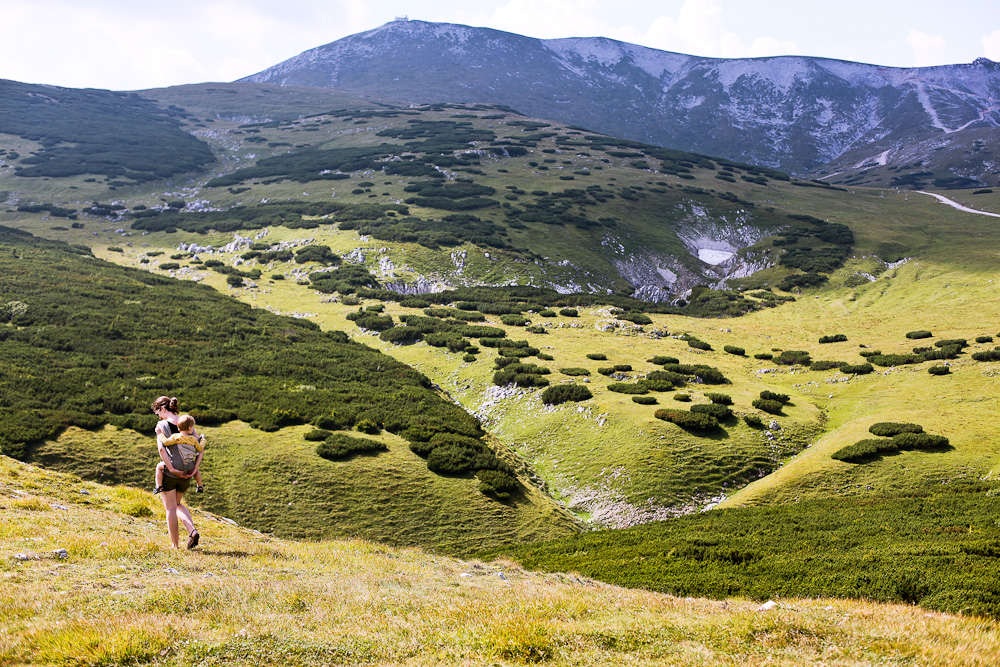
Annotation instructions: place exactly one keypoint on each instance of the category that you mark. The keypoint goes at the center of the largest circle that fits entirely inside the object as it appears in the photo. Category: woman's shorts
(175, 483)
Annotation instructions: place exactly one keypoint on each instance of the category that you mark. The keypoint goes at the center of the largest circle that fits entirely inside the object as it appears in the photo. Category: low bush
(984, 339)
(623, 368)
(629, 387)
(574, 371)
(606, 370)
(720, 412)
(826, 365)
(857, 369)
(887, 360)
(924, 441)
(682, 398)
(569, 312)
(340, 446)
(545, 357)
(890, 429)
(732, 349)
(660, 360)
(690, 421)
(721, 399)
(644, 400)
(317, 434)
(469, 357)
(497, 483)
(764, 356)
(836, 338)
(505, 377)
(863, 450)
(401, 335)
(698, 344)
(753, 421)
(515, 320)
(597, 356)
(668, 377)
(547, 313)
(939, 370)
(793, 357)
(769, 406)
(988, 355)
(772, 396)
(536, 329)
(947, 342)
(562, 393)
(869, 353)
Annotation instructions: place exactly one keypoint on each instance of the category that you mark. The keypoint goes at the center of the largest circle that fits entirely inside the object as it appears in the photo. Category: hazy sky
(134, 44)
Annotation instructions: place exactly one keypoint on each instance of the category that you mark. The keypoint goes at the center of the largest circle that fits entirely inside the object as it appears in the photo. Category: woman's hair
(170, 403)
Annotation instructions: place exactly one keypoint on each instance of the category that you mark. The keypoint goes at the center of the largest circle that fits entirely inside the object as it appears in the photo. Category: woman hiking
(176, 475)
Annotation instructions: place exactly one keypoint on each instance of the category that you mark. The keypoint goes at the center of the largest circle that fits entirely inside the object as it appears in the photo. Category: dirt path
(955, 204)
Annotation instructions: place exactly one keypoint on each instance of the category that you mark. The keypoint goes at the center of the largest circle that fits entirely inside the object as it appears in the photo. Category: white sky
(134, 44)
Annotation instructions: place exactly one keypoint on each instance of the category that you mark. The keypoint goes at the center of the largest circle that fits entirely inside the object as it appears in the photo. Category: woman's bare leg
(170, 505)
(185, 514)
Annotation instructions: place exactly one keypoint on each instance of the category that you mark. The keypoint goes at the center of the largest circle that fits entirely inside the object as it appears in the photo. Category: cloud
(991, 45)
(769, 46)
(549, 19)
(927, 49)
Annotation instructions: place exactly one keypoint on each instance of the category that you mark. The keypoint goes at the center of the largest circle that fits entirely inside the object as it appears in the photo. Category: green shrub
(368, 426)
(662, 360)
(574, 371)
(835, 338)
(721, 399)
(793, 357)
(597, 356)
(767, 405)
(401, 335)
(315, 435)
(629, 387)
(692, 421)
(984, 339)
(960, 342)
(644, 400)
(732, 349)
(939, 370)
(536, 329)
(870, 353)
(547, 313)
(763, 355)
(340, 446)
(569, 312)
(545, 357)
(720, 412)
(234, 281)
(863, 450)
(606, 370)
(919, 334)
(374, 322)
(623, 368)
(497, 483)
(890, 429)
(826, 365)
(698, 344)
(561, 393)
(772, 396)
(886, 360)
(857, 369)
(505, 377)
(515, 320)
(988, 355)
(924, 441)
(753, 421)
(469, 357)
(169, 266)
(683, 398)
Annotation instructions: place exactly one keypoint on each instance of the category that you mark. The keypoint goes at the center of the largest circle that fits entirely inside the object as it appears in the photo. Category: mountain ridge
(795, 113)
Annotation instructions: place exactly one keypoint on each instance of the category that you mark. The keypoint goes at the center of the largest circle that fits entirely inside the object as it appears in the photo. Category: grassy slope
(243, 598)
(632, 457)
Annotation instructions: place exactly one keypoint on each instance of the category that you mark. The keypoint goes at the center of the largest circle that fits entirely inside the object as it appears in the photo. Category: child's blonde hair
(185, 422)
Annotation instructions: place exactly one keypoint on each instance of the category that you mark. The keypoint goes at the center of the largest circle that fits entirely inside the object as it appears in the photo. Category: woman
(176, 479)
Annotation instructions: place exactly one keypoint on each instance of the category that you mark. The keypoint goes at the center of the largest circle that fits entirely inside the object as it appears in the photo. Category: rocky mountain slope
(792, 113)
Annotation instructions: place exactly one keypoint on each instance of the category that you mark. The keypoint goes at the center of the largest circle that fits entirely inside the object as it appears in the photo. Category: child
(189, 446)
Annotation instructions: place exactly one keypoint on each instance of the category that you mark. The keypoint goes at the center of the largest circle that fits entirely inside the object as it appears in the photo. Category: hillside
(798, 114)
(355, 217)
(120, 597)
(86, 345)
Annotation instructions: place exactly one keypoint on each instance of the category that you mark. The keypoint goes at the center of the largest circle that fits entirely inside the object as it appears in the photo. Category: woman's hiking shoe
(157, 490)
(193, 540)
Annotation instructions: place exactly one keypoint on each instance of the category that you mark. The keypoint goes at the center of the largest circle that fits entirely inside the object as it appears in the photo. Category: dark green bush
(606, 370)
(721, 399)
(644, 400)
(793, 357)
(890, 429)
(401, 335)
(660, 360)
(835, 338)
(772, 396)
(665, 377)
(753, 421)
(597, 356)
(629, 387)
(698, 344)
(547, 313)
(692, 421)
(574, 371)
(924, 441)
(732, 349)
(826, 365)
(339, 446)
(169, 266)
(988, 355)
(919, 334)
(316, 435)
(683, 398)
(623, 368)
(767, 405)
(869, 353)
(515, 320)
(857, 369)
(569, 312)
(497, 483)
(469, 358)
(939, 370)
(984, 339)
(864, 450)
(763, 355)
(720, 412)
(896, 359)
(561, 393)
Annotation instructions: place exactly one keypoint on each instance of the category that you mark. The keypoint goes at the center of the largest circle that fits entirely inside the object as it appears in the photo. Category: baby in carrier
(189, 446)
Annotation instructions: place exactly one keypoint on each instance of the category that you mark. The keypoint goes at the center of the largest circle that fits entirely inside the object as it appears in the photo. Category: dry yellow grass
(121, 597)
